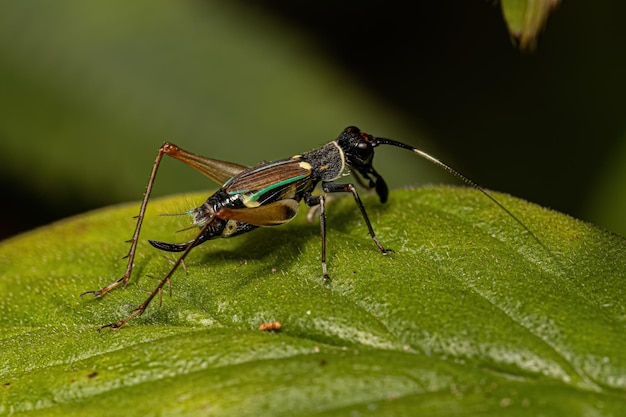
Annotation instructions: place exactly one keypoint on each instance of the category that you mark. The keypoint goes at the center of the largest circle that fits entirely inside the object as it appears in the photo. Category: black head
(358, 148)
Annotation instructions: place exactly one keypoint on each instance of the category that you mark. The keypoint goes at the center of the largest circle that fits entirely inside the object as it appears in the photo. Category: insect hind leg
(165, 149)
(140, 309)
(214, 169)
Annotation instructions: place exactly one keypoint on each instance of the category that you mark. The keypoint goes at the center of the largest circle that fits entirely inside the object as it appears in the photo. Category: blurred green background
(90, 90)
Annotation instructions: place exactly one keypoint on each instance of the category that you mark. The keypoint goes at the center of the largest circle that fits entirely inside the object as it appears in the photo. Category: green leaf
(469, 316)
(525, 19)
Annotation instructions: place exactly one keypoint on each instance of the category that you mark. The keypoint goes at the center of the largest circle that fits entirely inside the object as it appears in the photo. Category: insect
(269, 194)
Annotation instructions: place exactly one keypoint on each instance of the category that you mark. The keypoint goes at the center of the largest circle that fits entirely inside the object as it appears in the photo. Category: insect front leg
(332, 187)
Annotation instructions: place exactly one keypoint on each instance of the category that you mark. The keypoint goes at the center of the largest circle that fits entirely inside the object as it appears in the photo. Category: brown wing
(268, 176)
(216, 170)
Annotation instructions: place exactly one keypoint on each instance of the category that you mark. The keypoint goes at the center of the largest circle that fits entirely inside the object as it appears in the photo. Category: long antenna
(466, 180)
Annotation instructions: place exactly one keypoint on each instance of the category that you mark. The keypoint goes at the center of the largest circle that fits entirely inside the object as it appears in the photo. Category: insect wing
(216, 170)
(270, 182)
(271, 214)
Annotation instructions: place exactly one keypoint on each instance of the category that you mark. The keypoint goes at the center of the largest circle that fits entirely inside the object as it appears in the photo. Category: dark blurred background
(89, 91)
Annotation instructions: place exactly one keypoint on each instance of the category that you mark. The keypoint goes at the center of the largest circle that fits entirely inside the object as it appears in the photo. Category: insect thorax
(327, 163)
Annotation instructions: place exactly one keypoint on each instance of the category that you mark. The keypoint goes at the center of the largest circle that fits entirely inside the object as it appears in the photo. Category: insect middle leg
(331, 187)
(320, 200)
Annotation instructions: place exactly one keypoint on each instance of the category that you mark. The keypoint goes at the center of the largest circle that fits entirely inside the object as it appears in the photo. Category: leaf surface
(469, 316)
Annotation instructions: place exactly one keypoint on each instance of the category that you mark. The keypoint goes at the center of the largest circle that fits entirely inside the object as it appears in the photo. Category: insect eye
(363, 149)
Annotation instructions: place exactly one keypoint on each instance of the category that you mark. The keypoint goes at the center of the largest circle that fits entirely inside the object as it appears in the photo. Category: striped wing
(270, 182)
(216, 170)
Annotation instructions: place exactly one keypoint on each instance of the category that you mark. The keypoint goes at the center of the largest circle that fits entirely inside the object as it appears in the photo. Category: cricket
(269, 194)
